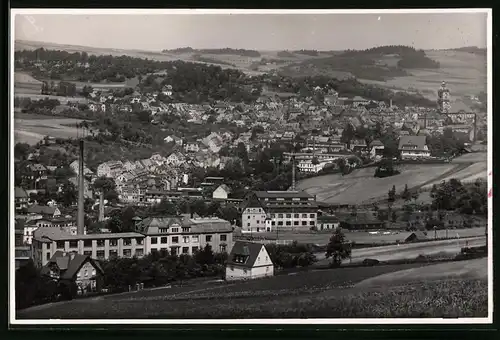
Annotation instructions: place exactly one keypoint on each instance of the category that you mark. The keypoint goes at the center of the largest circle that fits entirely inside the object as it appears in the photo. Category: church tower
(444, 98)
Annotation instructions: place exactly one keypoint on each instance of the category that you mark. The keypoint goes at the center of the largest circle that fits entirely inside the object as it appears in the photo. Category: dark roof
(20, 193)
(418, 141)
(327, 219)
(284, 194)
(249, 249)
(376, 142)
(69, 266)
(417, 235)
(42, 209)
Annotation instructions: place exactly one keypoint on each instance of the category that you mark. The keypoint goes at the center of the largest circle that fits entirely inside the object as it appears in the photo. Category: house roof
(458, 106)
(42, 209)
(249, 249)
(225, 188)
(327, 219)
(69, 264)
(418, 141)
(377, 142)
(20, 193)
(284, 194)
(417, 235)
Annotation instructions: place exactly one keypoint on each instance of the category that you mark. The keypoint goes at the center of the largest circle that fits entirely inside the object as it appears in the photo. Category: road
(412, 250)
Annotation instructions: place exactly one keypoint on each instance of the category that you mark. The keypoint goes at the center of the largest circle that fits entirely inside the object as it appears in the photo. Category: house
(192, 147)
(357, 100)
(222, 192)
(167, 90)
(20, 198)
(248, 260)
(413, 147)
(416, 236)
(110, 169)
(173, 139)
(77, 269)
(328, 222)
(87, 188)
(75, 166)
(358, 145)
(376, 149)
(175, 158)
(44, 210)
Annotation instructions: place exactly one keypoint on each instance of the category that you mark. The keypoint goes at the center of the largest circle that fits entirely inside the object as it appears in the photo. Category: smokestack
(101, 206)
(390, 102)
(293, 172)
(80, 222)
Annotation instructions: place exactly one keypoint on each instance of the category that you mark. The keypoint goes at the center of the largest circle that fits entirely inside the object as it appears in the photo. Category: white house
(328, 222)
(376, 149)
(76, 168)
(413, 147)
(248, 260)
(221, 192)
(110, 169)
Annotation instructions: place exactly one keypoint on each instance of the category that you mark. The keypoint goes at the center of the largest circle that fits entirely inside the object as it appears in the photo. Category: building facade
(278, 210)
(248, 261)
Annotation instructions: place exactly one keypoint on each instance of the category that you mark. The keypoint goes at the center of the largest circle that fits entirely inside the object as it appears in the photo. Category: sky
(255, 31)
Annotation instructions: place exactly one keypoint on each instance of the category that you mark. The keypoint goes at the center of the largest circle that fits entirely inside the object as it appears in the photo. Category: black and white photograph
(250, 166)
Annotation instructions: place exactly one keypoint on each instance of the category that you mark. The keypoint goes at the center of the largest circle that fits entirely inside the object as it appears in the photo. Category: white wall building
(248, 260)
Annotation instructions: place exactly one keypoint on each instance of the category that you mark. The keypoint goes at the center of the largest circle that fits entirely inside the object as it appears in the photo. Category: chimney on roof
(81, 198)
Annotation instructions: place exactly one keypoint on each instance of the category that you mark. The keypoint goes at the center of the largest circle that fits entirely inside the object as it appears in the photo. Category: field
(314, 293)
(381, 237)
(464, 73)
(29, 128)
(360, 187)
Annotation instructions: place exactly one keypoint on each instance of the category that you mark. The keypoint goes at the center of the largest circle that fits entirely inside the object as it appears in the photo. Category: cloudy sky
(256, 31)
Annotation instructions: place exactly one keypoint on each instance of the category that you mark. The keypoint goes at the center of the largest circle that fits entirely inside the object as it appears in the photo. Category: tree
(348, 135)
(107, 187)
(337, 248)
(315, 161)
(392, 194)
(68, 195)
(21, 150)
(115, 224)
(394, 216)
(406, 193)
(241, 152)
(127, 224)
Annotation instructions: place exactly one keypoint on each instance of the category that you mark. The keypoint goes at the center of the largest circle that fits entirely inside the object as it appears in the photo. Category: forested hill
(240, 52)
(409, 56)
(471, 49)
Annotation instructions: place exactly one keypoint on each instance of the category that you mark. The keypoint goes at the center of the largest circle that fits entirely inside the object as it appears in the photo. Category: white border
(487, 320)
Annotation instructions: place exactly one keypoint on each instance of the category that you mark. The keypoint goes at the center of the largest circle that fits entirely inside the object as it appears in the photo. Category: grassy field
(32, 128)
(464, 73)
(315, 293)
(381, 237)
(360, 187)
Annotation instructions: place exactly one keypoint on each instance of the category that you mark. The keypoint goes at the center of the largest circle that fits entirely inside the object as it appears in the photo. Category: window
(60, 244)
(295, 222)
(208, 238)
(288, 223)
(311, 215)
(154, 240)
(311, 223)
(127, 242)
(113, 243)
(258, 221)
(185, 239)
(175, 239)
(163, 230)
(164, 240)
(296, 215)
(185, 250)
(139, 252)
(100, 254)
(139, 241)
(304, 222)
(48, 256)
(127, 253)
(86, 273)
(73, 244)
(175, 230)
(93, 272)
(223, 238)
(113, 254)
(280, 223)
(100, 243)
(185, 229)
(267, 269)
(248, 224)
(195, 238)
(273, 215)
(87, 253)
(288, 215)
(248, 216)
(280, 215)
(194, 249)
(222, 248)
(273, 223)
(87, 243)
(304, 215)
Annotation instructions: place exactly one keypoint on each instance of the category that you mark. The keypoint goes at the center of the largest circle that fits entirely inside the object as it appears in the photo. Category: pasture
(31, 129)
(361, 186)
(315, 293)
(464, 73)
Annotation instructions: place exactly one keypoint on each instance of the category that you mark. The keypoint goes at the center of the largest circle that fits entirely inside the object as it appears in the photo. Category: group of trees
(448, 144)
(41, 106)
(291, 256)
(63, 88)
(467, 199)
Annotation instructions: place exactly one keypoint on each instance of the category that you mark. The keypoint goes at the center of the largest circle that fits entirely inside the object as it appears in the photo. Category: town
(189, 171)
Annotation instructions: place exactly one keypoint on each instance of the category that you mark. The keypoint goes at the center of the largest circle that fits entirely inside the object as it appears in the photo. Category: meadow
(31, 128)
(332, 293)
